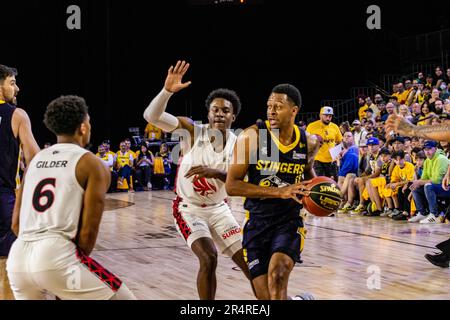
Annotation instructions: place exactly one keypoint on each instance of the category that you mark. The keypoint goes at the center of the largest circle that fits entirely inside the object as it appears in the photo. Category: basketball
(325, 197)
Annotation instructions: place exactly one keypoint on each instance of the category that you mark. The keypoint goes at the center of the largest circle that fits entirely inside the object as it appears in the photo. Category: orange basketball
(324, 198)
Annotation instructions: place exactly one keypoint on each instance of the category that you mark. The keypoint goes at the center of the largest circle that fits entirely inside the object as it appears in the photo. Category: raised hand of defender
(174, 80)
(295, 191)
(400, 125)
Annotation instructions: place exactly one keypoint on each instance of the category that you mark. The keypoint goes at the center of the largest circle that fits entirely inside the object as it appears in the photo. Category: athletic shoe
(417, 218)
(303, 296)
(385, 213)
(346, 208)
(441, 260)
(430, 219)
(402, 216)
(359, 209)
(393, 212)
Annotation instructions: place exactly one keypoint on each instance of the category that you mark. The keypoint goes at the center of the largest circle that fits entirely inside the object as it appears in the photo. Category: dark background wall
(119, 59)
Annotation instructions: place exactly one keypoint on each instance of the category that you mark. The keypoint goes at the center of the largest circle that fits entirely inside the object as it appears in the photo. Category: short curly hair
(6, 72)
(226, 94)
(291, 91)
(65, 114)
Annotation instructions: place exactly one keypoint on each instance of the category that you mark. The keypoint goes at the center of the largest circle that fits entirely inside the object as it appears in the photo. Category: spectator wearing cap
(429, 186)
(445, 146)
(398, 144)
(331, 135)
(373, 162)
(362, 107)
(370, 115)
(376, 186)
(401, 177)
(348, 170)
(359, 133)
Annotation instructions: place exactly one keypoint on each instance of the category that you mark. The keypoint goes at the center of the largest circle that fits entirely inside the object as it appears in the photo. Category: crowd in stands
(383, 174)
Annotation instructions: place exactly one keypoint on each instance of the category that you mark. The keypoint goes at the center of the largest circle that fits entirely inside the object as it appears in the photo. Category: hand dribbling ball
(324, 197)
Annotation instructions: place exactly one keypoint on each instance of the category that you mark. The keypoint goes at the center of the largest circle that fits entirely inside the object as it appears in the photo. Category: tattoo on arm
(440, 132)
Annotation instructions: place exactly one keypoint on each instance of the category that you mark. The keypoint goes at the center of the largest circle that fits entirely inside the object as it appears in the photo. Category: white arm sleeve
(156, 115)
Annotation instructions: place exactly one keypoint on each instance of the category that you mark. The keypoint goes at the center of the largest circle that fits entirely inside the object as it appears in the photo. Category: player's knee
(208, 260)
(280, 274)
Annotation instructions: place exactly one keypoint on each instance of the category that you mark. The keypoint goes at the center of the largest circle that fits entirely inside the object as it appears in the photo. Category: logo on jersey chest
(298, 156)
(203, 187)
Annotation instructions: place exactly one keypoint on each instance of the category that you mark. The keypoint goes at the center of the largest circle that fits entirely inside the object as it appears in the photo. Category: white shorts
(56, 266)
(215, 222)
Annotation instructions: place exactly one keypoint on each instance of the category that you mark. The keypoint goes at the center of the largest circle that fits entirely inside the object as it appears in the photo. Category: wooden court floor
(345, 257)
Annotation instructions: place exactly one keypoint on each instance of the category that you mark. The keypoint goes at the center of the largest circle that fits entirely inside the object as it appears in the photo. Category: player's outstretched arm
(403, 127)
(95, 178)
(155, 112)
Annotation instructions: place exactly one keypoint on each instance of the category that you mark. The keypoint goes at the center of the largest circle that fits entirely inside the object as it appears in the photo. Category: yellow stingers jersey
(123, 159)
(331, 136)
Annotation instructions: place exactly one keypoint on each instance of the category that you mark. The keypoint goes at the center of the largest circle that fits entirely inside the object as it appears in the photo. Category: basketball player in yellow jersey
(15, 131)
(331, 135)
(273, 235)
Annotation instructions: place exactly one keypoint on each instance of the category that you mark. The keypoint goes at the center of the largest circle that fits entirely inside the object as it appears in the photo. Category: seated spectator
(302, 125)
(165, 157)
(362, 107)
(445, 146)
(403, 110)
(373, 163)
(369, 128)
(426, 115)
(438, 106)
(383, 112)
(359, 133)
(124, 163)
(429, 186)
(435, 120)
(373, 106)
(390, 109)
(370, 115)
(128, 147)
(108, 160)
(401, 177)
(376, 185)
(344, 127)
(348, 164)
(398, 144)
(144, 162)
(416, 112)
(107, 145)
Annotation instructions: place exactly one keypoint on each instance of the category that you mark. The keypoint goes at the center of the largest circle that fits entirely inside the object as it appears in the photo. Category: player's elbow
(231, 188)
(15, 228)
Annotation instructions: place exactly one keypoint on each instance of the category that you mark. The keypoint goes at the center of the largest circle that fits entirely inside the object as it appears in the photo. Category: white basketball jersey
(204, 191)
(52, 197)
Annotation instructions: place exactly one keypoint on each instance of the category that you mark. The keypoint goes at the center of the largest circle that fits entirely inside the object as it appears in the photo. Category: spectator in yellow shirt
(152, 132)
(362, 107)
(401, 177)
(331, 135)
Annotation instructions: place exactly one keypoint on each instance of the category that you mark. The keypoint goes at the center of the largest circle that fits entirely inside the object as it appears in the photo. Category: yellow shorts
(380, 184)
